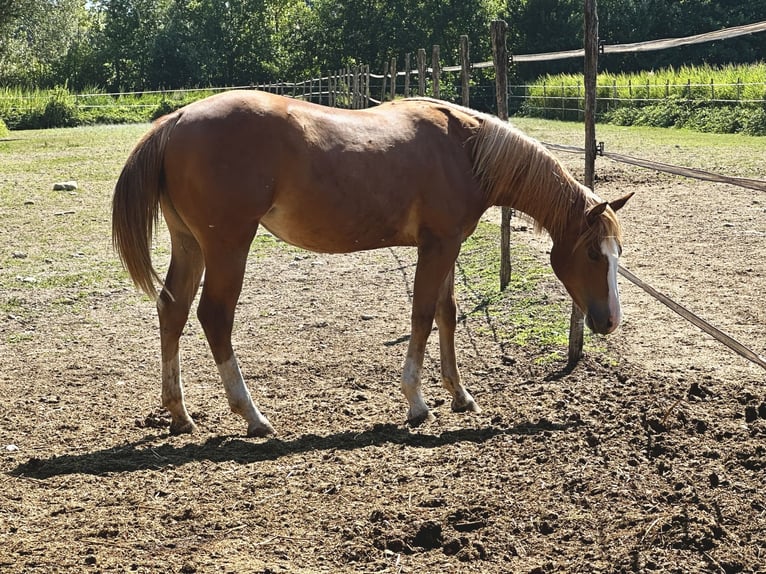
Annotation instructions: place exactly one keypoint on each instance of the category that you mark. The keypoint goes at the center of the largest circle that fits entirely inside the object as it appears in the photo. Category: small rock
(65, 186)
(750, 414)
(19, 255)
(11, 448)
(29, 202)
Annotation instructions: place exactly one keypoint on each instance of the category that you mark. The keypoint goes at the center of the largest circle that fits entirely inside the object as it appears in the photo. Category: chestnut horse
(415, 172)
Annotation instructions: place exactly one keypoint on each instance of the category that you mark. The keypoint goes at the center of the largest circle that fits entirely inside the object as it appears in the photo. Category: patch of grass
(532, 312)
(15, 338)
(264, 242)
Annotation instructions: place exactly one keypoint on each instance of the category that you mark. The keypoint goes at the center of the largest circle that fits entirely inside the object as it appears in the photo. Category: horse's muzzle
(602, 323)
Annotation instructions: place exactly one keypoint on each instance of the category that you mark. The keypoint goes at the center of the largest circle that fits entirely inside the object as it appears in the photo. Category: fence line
(756, 184)
(696, 320)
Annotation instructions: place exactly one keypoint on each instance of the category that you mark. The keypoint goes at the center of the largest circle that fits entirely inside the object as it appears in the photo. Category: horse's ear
(619, 203)
(592, 214)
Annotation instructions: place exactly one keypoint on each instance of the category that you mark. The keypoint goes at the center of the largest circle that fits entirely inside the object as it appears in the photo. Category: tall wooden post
(437, 71)
(591, 70)
(407, 75)
(421, 72)
(383, 84)
(366, 86)
(465, 70)
(357, 101)
(393, 78)
(499, 32)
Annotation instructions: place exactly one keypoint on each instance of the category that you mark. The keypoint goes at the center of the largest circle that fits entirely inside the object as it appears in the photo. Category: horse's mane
(516, 170)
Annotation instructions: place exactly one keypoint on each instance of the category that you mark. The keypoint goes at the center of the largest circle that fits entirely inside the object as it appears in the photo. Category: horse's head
(585, 259)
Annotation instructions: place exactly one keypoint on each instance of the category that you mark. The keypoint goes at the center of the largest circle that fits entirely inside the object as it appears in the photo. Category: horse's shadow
(142, 454)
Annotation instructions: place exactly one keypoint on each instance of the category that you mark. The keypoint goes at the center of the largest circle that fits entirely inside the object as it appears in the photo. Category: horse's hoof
(187, 427)
(260, 430)
(417, 420)
(469, 407)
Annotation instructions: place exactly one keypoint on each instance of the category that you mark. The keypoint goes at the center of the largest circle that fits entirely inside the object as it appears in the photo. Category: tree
(37, 35)
(125, 42)
(372, 31)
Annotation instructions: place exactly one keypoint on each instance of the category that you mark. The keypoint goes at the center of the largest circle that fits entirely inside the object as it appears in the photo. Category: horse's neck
(545, 192)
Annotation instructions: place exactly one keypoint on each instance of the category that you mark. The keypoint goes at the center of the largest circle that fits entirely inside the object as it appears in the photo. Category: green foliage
(729, 99)
(37, 109)
(60, 110)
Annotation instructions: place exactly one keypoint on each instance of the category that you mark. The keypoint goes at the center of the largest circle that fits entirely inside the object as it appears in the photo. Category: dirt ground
(647, 457)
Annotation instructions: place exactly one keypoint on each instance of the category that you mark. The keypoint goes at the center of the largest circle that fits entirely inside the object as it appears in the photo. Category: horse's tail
(136, 204)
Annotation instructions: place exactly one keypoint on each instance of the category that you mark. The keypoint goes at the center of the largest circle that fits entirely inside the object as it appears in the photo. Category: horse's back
(321, 178)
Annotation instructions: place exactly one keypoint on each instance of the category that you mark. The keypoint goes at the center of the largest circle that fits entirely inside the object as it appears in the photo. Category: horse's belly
(339, 233)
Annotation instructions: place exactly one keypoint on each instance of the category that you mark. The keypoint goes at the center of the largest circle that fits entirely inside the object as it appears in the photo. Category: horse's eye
(594, 254)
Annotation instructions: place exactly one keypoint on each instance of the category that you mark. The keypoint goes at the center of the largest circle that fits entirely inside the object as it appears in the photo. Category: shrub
(622, 116)
(60, 110)
(165, 107)
(4, 131)
(754, 122)
(672, 112)
(718, 120)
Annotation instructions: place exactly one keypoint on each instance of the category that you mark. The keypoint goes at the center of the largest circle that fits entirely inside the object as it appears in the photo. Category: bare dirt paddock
(649, 456)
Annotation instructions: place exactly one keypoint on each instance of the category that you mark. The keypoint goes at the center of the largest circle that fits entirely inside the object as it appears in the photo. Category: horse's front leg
(446, 320)
(435, 259)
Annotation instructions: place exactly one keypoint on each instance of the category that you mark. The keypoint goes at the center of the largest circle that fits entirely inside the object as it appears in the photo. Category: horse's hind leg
(446, 320)
(181, 284)
(223, 283)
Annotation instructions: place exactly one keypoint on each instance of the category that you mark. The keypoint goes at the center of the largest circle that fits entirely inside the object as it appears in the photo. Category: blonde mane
(517, 171)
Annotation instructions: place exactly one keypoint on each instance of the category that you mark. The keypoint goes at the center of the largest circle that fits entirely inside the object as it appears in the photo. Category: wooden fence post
(383, 83)
(576, 322)
(436, 68)
(465, 70)
(366, 86)
(499, 32)
(421, 72)
(407, 75)
(349, 88)
(393, 78)
(357, 99)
